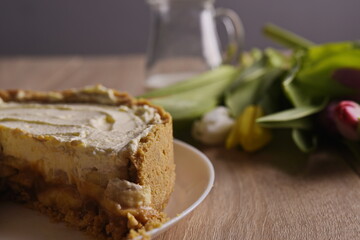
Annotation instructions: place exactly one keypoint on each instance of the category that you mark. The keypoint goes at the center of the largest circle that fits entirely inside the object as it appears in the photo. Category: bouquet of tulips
(313, 90)
(323, 89)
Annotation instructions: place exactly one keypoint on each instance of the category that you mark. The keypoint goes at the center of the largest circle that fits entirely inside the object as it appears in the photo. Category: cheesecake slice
(94, 158)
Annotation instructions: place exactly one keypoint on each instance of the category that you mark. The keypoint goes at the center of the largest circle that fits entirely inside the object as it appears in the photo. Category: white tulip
(214, 126)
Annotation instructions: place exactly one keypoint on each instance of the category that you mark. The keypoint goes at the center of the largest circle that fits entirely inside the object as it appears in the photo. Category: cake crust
(151, 165)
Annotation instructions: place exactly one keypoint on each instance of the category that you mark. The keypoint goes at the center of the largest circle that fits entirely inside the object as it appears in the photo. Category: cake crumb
(132, 222)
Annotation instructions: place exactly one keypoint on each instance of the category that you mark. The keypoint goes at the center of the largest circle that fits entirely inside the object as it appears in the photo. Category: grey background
(42, 27)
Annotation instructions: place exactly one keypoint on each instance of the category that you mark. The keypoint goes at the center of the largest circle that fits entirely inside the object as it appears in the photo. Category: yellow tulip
(246, 132)
(232, 139)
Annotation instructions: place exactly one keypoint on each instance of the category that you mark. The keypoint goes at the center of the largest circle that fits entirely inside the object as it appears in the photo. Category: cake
(94, 158)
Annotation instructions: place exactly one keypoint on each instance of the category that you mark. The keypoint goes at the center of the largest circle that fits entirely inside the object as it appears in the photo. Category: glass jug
(184, 40)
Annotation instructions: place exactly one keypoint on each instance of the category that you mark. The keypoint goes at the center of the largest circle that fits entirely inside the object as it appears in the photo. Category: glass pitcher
(184, 40)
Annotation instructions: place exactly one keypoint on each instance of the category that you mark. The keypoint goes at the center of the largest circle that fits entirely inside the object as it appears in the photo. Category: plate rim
(204, 194)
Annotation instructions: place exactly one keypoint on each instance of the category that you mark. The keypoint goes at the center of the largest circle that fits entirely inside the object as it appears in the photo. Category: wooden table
(277, 193)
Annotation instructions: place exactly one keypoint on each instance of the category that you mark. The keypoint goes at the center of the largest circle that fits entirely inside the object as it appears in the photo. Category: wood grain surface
(278, 193)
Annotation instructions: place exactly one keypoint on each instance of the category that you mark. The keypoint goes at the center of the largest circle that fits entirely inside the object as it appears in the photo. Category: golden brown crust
(152, 165)
(69, 96)
(94, 94)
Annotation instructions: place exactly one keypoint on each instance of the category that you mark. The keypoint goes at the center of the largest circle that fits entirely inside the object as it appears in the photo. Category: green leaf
(193, 103)
(186, 109)
(192, 98)
(357, 44)
(305, 140)
(317, 78)
(284, 117)
(318, 53)
(301, 123)
(250, 90)
(222, 73)
(295, 94)
(243, 95)
(249, 73)
(276, 58)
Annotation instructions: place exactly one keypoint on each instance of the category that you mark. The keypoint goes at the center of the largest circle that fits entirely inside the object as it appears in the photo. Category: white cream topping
(101, 127)
(127, 193)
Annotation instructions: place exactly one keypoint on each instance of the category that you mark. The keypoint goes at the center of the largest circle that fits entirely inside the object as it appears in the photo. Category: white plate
(194, 180)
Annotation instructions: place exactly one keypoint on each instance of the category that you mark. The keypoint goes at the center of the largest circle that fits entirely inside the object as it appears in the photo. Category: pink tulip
(346, 116)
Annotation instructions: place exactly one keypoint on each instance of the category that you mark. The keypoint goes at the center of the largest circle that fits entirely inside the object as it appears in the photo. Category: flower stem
(285, 37)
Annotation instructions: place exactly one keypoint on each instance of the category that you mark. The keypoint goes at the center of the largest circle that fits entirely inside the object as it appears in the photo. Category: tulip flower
(214, 126)
(247, 133)
(346, 116)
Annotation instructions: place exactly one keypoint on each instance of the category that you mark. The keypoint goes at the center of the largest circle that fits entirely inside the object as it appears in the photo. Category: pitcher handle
(235, 30)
